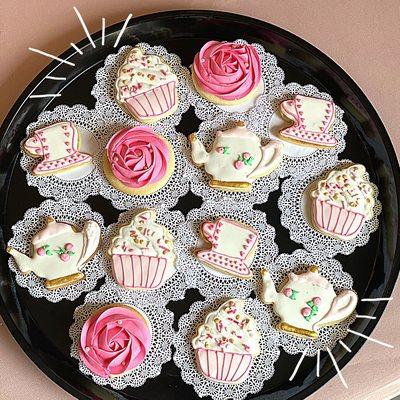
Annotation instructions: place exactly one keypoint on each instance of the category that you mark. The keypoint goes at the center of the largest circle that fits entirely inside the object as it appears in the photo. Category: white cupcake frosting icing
(348, 189)
(229, 329)
(143, 236)
(141, 73)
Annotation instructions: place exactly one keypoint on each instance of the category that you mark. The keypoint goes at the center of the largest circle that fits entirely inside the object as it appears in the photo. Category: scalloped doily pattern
(34, 220)
(272, 76)
(104, 89)
(212, 284)
(295, 205)
(161, 321)
(175, 287)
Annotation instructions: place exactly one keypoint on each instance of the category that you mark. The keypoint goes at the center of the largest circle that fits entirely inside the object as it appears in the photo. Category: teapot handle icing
(342, 306)
(267, 163)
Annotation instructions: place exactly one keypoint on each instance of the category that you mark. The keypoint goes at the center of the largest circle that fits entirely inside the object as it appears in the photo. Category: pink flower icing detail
(287, 292)
(227, 70)
(69, 246)
(238, 164)
(40, 251)
(306, 311)
(316, 300)
(138, 156)
(65, 257)
(114, 341)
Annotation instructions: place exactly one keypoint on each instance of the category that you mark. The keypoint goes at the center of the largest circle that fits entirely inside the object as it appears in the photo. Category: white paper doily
(272, 76)
(34, 220)
(175, 287)
(79, 183)
(104, 89)
(299, 261)
(167, 196)
(209, 282)
(298, 160)
(206, 133)
(295, 206)
(161, 321)
(263, 365)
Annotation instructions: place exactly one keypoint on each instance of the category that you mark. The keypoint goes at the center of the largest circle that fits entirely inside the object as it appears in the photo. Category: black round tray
(41, 327)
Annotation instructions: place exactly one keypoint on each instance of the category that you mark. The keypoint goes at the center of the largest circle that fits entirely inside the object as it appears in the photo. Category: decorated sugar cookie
(236, 158)
(343, 202)
(138, 161)
(58, 146)
(59, 252)
(233, 246)
(146, 87)
(227, 343)
(143, 255)
(115, 340)
(312, 121)
(306, 302)
(227, 73)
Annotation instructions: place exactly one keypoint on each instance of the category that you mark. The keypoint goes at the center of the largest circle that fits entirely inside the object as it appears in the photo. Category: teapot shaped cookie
(307, 302)
(59, 251)
(236, 158)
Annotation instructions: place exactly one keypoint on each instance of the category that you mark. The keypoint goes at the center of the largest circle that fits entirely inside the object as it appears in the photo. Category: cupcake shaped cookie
(227, 343)
(227, 73)
(143, 255)
(343, 202)
(138, 161)
(146, 88)
(115, 340)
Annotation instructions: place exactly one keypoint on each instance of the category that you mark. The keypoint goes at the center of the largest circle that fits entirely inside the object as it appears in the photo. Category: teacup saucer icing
(146, 87)
(227, 343)
(306, 302)
(343, 202)
(312, 120)
(59, 252)
(236, 158)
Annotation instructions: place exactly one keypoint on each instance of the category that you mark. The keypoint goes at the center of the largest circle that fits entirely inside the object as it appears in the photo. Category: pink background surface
(362, 36)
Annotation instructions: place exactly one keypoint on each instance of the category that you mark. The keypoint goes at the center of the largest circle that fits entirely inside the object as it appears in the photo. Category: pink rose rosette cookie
(227, 343)
(143, 255)
(115, 340)
(227, 73)
(138, 161)
(343, 202)
(146, 87)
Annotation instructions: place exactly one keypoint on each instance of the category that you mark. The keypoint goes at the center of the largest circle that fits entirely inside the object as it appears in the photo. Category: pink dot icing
(40, 251)
(306, 311)
(316, 300)
(114, 348)
(69, 246)
(287, 292)
(138, 156)
(227, 70)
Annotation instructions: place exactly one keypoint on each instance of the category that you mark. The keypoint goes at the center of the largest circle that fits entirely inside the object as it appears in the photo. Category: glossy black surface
(41, 328)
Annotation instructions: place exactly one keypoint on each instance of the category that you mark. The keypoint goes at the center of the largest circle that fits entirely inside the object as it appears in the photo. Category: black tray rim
(394, 163)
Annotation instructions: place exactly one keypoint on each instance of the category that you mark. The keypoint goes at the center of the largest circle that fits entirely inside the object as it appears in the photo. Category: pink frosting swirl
(229, 71)
(114, 341)
(138, 156)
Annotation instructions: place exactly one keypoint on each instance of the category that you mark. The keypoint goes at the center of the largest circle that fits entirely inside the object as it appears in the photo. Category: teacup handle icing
(268, 163)
(342, 306)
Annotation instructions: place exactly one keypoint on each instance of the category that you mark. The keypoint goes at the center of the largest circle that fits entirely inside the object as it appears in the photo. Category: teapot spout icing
(24, 262)
(268, 293)
(271, 157)
(199, 153)
(91, 238)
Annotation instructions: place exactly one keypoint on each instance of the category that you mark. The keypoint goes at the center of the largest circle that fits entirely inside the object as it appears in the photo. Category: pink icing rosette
(229, 71)
(138, 156)
(114, 341)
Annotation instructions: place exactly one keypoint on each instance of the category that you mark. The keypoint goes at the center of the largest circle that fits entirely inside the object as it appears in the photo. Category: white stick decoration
(318, 362)
(103, 31)
(345, 346)
(84, 27)
(43, 53)
(298, 365)
(365, 316)
(378, 299)
(370, 338)
(56, 78)
(337, 368)
(40, 96)
(76, 48)
(121, 32)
